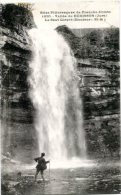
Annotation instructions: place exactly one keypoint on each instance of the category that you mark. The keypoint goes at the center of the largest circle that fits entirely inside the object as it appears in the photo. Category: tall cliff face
(15, 47)
(99, 87)
(18, 136)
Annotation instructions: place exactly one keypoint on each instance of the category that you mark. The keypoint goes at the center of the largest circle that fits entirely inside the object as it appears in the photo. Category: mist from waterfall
(54, 92)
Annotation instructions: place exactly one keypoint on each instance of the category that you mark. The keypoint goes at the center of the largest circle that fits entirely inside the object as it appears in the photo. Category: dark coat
(41, 163)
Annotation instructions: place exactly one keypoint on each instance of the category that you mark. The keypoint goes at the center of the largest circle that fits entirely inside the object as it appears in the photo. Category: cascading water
(54, 92)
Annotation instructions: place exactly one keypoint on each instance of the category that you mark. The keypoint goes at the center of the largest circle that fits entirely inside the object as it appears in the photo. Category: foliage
(99, 43)
(15, 16)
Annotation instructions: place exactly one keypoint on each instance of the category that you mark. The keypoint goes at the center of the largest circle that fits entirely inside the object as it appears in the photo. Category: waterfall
(54, 92)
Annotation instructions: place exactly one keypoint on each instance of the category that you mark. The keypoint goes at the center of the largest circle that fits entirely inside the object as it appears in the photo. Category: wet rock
(12, 191)
(19, 174)
(13, 183)
(5, 186)
(6, 177)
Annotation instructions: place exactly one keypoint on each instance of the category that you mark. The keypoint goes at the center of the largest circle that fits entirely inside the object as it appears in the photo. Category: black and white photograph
(60, 98)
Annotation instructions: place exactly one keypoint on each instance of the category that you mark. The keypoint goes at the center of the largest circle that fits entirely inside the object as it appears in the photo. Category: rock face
(18, 136)
(99, 86)
(98, 69)
(15, 47)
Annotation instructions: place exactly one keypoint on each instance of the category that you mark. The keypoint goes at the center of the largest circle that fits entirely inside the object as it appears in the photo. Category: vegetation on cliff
(94, 43)
(14, 17)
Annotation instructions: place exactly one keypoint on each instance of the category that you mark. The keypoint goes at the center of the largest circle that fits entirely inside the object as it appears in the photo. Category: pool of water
(102, 178)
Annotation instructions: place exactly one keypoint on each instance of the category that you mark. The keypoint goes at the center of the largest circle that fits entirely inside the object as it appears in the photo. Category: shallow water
(99, 179)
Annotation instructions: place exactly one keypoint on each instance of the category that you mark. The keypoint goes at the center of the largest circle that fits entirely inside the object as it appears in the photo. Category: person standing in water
(41, 166)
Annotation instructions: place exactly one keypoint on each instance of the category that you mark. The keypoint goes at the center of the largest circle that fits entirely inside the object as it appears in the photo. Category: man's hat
(42, 154)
